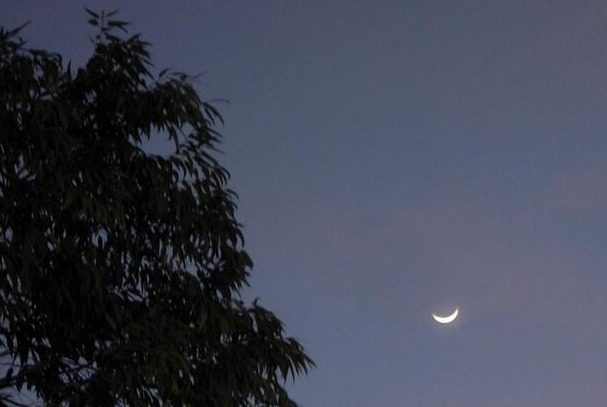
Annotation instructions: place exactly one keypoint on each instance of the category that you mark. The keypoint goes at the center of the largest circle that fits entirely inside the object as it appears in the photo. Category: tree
(121, 270)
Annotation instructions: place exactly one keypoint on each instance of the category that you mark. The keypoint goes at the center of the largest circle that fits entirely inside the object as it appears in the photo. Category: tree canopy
(121, 270)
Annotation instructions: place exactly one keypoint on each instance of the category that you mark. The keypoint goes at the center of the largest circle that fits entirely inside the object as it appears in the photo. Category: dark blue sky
(398, 158)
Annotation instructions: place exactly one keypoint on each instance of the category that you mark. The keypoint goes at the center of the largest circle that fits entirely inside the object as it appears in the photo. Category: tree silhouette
(121, 270)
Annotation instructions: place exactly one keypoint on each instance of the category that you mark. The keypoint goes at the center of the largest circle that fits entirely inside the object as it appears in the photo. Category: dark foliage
(120, 270)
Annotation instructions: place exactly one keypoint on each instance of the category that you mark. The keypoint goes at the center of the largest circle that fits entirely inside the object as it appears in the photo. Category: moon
(447, 319)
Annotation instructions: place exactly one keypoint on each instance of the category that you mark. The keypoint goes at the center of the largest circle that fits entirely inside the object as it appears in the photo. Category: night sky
(399, 158)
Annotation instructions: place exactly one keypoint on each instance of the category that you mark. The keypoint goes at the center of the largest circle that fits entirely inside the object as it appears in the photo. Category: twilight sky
(398, 158)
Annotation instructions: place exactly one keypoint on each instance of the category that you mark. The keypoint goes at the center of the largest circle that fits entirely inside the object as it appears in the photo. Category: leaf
(17, 30)
(114, 23)
(118, 24)
(91, 13)
(9, 375)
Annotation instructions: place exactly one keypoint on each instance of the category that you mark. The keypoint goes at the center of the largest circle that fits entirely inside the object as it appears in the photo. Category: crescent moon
(447, 319)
